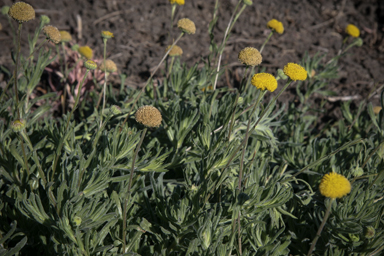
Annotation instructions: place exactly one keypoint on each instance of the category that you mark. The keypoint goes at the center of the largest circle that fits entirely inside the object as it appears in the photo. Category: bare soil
(142, 28)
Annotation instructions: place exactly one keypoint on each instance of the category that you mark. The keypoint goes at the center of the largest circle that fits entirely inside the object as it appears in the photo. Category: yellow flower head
(295, 72)
(86, 52)
(18, 125)
(264, 81)
(334, 185)
(106, 34)
(65, 36)
(179, 2)
(175, 51)
(376, 110)
(21, 12)
(187, 26)
(250, 56)
(89, 64)
(148, 116)
(352, 30)
(52, 34)
(110, 66)
(276, 25)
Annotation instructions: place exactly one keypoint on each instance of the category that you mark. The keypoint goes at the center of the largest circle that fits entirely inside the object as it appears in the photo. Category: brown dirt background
(141, 35)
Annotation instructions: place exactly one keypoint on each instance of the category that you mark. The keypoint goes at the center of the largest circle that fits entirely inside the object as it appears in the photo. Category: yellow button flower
(65, 36)
(110, 66)
(187, 26)
(295, 72)
(352, 30)
(175, 51)
(21, 12)
(250, 56)
(86, 52)
(52, 34)
(179, 2)
(89, 64)
(334, 185)
(148, 116)
(264, 81)
(106, 34)
(276, 25)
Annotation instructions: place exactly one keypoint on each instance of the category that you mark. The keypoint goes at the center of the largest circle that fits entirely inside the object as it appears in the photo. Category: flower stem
(129, 189)
(266, 41)
(321, 227)
(105, 80)
(16, 66)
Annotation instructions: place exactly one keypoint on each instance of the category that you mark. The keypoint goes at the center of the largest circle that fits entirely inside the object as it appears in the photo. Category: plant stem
(222, 47)
(129, 189)
(105, 81)
(266, 41)
(321, 227)
(16, 66)
(65, 76)
(149, 79)
(66, 125)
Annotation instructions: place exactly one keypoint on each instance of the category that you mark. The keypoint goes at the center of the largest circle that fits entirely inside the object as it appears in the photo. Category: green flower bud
(18, 125)
(354, 237)
(248, 2)
(369, 232)
(77, 220)
(115, 110)
(240, 100)
(5, 10)
(359, 42)
(281, 74)
(44, 19)
(89, 64)
(357, 171)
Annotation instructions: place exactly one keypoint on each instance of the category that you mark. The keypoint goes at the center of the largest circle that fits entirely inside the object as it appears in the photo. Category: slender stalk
(105, 81)
(25, 157)
(129, 189)
(16, 66)
(65, 70)
(266, 41)
(321, 227)
(67, 124)
(222, 47)
(171, 66)
(149, 79)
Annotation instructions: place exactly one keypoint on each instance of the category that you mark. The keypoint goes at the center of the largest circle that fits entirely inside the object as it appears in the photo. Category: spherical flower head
(334, 185)
(86, 52)
(52, 34)
(377, 110)
(352, 30)
(295, 72)
(77, 220)
(65, 36)
(175, 51)
(276, 25)
(21, 12)
(148, 116)
(250, 56)
(179, 2)
(89, 64)
(248, 2)
(18, 125)
(264, 81)
(106, 34)
(187, 26)
(44, 19)
(109, 66)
